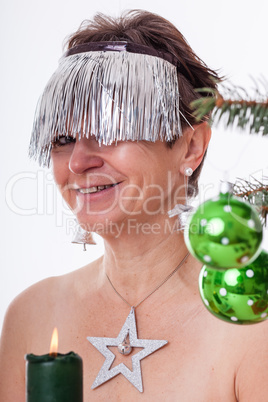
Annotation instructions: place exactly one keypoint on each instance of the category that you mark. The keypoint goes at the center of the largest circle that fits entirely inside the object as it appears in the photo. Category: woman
(121, 147)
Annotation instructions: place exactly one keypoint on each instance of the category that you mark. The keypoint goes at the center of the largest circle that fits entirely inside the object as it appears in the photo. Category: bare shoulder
(24, 307)
(29, 321)
(36, 300)
(252, 372)
(19, 322)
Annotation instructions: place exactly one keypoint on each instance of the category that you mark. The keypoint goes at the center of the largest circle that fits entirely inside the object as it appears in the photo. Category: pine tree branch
(242, 111)
(256, 194)
(236, 108)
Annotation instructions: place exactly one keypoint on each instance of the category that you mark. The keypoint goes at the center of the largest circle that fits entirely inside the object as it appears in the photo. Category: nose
(85, 155)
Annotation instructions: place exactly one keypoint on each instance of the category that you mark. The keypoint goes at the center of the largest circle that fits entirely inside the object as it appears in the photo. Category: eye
(62, 141)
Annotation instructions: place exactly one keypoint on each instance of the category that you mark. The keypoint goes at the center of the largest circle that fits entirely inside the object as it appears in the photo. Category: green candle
(54, 378)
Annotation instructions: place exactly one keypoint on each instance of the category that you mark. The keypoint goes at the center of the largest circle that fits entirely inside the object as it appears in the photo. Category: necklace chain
(154, 290)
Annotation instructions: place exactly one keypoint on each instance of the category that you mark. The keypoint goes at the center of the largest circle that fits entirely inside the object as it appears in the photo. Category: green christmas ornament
(224, 232)
(239, 296)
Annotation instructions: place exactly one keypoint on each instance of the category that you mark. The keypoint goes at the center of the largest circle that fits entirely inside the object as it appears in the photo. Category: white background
(230, 36)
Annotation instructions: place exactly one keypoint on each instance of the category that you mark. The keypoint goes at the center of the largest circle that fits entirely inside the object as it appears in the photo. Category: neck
(137, 264)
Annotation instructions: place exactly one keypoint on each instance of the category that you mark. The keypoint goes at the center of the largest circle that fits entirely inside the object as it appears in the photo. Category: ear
(197, 141)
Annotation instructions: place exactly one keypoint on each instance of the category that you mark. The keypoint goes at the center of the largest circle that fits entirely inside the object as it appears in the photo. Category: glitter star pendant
(129, 330)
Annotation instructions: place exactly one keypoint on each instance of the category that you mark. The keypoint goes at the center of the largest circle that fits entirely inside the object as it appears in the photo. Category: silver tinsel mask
(116, 91)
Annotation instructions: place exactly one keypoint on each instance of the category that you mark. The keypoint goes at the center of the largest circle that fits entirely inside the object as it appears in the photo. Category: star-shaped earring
(129, 329)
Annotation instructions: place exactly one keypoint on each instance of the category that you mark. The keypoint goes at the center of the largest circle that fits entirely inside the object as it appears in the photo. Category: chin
(99, 222)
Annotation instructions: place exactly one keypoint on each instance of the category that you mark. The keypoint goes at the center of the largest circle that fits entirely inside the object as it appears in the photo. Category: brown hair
(146, 28)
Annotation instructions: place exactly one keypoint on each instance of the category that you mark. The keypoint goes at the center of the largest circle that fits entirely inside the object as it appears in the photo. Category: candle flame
(54, 343)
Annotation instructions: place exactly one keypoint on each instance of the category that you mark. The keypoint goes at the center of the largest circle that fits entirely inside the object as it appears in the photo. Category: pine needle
(235, 108)
(256, 193)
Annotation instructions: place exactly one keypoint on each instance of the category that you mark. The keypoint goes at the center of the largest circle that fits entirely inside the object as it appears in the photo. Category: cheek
(61, 172)
(60, 168)
(131, 155)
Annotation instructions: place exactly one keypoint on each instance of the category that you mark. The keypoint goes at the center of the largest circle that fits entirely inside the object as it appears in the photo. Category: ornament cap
(226, 187)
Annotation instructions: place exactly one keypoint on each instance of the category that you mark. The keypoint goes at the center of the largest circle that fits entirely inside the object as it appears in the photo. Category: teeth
(88, 190)
(95, 189)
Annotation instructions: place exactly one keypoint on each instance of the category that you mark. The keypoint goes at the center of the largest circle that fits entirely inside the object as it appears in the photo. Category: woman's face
(117, 182)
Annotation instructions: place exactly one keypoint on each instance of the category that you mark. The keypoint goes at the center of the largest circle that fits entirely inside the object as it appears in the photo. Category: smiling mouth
(96, 189)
